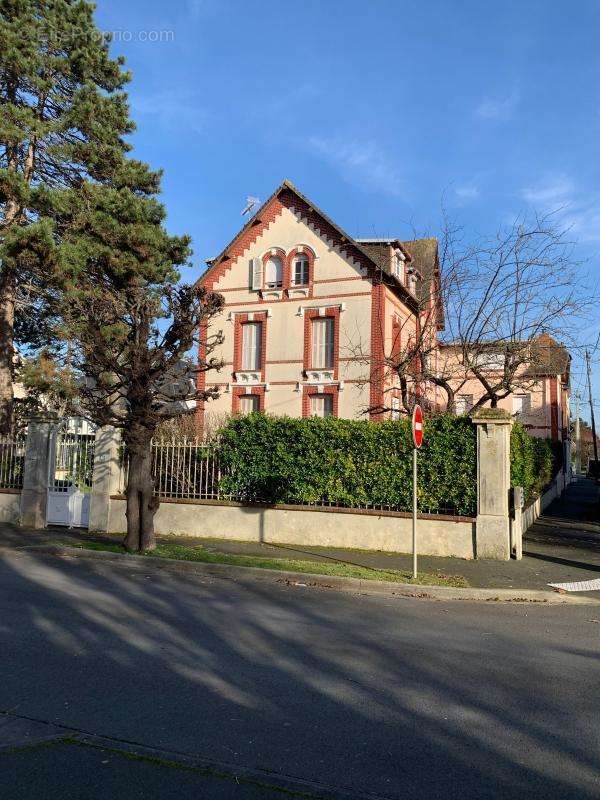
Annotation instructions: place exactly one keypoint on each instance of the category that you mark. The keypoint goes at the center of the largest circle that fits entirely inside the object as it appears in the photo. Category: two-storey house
(309, 312)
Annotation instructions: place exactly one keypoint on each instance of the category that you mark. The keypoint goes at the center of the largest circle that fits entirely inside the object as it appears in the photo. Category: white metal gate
(70, 478)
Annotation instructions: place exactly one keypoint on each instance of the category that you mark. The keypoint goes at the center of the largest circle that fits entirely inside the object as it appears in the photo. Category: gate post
(34, 494)
(105, 477)
(493, 483)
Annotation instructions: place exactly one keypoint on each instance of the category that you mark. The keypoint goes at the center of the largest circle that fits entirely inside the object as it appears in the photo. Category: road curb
(313, 580)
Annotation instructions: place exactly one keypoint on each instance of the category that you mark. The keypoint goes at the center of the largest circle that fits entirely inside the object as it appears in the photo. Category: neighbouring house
(541, 403)
(311, 315)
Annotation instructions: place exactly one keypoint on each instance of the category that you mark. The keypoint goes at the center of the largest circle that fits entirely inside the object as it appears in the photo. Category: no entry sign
(417, 426)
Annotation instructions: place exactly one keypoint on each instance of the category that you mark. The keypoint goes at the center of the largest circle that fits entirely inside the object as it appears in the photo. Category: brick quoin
(376, 394)
(554, 407)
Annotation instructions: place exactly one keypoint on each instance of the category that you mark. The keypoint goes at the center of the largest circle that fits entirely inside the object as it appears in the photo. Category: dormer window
(274, 273)
(300, 270)
(398, 266)
(413, 281)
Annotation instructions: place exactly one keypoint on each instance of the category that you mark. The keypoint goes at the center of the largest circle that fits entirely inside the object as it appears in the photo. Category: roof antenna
(251, 202)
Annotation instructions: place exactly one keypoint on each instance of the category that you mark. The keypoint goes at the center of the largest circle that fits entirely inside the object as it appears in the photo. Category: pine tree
(129, 326)
(63, 119)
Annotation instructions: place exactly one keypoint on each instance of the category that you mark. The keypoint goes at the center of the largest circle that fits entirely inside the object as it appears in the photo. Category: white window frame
(247, 400)
(395, 415)
(301, 261)
(322, 342)
(521, 404)
(321, 405)
(251, 346)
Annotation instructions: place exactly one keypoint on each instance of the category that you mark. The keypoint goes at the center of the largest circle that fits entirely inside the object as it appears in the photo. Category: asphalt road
(374, 697)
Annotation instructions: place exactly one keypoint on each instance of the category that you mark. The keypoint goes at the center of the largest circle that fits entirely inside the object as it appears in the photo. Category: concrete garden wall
(326, 527)
(10, 505)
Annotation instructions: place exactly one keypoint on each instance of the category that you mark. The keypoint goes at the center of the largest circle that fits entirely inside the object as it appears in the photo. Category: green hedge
(533, 462)
(350, 463)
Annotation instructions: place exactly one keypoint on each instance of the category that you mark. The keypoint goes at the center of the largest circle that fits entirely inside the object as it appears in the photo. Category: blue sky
(375, 110)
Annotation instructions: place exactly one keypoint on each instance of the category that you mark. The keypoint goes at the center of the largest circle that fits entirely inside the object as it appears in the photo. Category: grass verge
(343, 569)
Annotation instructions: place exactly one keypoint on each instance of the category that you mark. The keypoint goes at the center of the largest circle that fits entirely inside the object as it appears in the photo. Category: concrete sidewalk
(563, 545)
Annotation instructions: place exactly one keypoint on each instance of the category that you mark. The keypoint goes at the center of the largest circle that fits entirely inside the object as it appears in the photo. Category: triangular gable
(286, 196)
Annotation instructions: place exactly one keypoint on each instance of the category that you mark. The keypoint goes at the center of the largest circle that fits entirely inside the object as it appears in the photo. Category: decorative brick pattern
(376, 394)
(243, 242)
(554, 407)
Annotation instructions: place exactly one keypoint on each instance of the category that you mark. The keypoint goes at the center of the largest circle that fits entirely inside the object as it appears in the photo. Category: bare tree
(520, 293)
(492, 310)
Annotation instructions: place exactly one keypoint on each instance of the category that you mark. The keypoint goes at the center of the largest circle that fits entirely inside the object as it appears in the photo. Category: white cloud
(360, 162)
(551, 193)
(498, 108)
(574, 208)
(174, 110)
(467, 193)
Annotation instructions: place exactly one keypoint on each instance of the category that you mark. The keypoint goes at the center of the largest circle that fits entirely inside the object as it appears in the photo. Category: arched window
(300, 270)
(274, 273)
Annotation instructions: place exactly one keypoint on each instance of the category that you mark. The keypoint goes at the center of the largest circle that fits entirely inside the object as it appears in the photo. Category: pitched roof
(549, 357)
(363, 252)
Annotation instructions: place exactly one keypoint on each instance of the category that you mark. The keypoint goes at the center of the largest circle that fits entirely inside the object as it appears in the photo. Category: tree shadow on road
(392, 697)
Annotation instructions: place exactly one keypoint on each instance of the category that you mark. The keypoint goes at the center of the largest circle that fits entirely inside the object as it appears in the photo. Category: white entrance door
(70, 479)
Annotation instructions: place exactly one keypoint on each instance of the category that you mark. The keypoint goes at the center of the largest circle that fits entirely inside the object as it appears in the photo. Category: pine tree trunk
(7, 322)
(141, 503)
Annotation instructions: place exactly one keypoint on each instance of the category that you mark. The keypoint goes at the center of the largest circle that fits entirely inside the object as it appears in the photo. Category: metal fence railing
(190, 469)
(184, 469)
(12, 462)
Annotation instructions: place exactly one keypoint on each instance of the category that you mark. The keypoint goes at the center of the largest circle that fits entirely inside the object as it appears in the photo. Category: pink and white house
(311, 314)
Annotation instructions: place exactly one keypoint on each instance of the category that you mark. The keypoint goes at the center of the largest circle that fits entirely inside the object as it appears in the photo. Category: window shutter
(257, 274)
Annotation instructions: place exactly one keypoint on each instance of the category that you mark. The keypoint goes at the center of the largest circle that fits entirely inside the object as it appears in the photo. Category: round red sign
(417, 426)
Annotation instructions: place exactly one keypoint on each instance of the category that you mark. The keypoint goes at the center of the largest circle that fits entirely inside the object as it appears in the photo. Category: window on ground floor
(249, 403)
(321, 405)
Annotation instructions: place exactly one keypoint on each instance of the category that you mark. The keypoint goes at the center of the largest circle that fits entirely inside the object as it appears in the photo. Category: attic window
(398, 266)
(413, 281)
(300, 272)
(274, 273)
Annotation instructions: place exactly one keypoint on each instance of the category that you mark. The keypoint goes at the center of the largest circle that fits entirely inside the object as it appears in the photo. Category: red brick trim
(242, 243)
(201, 376)
(239, 320)
(296, 299)
(554, 407)
(291, 200)
(309, 391)
(376, 393)
(309, 315)
(240, 391)
(280, 254)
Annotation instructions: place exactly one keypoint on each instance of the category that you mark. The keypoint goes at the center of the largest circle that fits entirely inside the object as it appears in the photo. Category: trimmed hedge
(533, 461)
(350, 463)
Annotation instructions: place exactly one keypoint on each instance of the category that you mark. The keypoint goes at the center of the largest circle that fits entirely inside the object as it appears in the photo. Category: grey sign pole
(414, 524)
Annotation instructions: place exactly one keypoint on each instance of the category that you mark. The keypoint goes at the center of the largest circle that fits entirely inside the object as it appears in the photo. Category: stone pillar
(105, 478)
(493, 483)
(34, 494)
